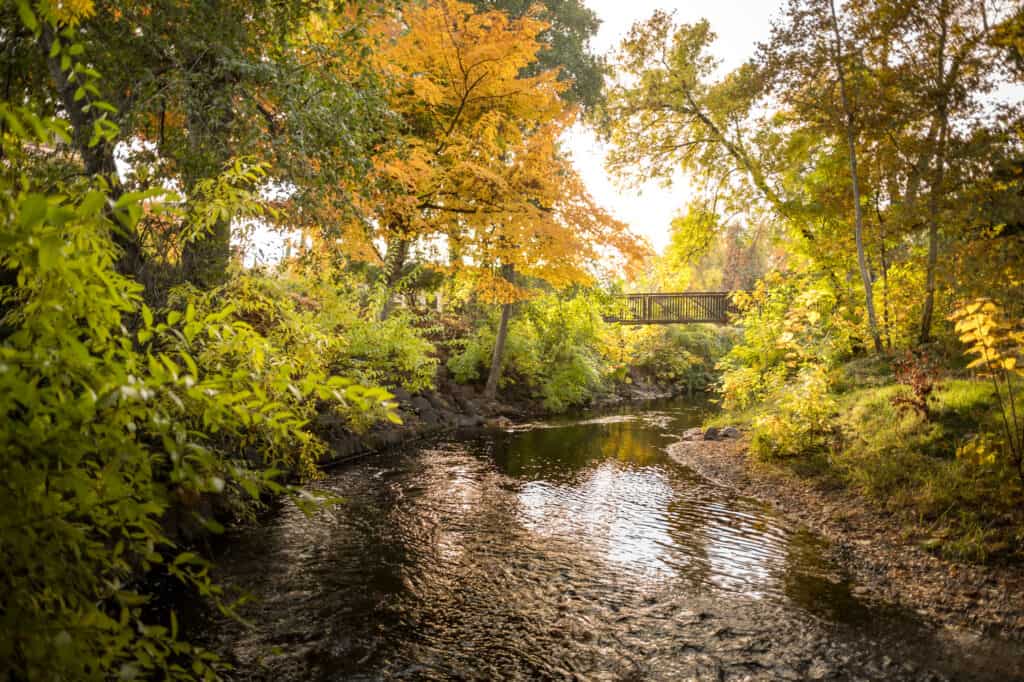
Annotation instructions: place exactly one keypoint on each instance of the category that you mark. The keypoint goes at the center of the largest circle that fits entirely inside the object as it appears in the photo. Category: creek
(572, 548)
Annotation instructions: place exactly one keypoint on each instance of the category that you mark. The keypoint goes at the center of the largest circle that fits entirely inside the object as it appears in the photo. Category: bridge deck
(675, 308)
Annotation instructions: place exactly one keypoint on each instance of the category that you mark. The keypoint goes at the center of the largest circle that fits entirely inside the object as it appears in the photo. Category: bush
(553, 347)
(318, 325)
(787, 324)
(113, 415)
(679, 355)
(801, 419)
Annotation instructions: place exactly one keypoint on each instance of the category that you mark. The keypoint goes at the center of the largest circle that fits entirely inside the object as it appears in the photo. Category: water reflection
(608, 480)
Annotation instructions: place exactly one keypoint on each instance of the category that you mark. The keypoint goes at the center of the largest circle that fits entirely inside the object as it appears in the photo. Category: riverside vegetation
(155, 384)
(860, 179)
(153, 389)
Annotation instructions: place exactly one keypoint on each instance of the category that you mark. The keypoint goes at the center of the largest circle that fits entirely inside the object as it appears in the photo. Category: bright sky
(739, 25)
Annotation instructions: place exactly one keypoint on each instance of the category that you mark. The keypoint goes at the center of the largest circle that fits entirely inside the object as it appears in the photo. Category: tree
(939, 65)
(666, 114)
(564, 238)
(877, 86)
(191, 86)
(477, 158)
(850, 130)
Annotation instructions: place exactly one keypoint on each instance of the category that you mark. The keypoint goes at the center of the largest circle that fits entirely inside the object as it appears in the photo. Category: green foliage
(963, 495)
(679, 355)
(272, 362)
(393, 352)
(788, 324)
(114, 416)
(92, 451)
(105, 429)
(319, 325)
(553, 347)
(561, 350)
(800, 421)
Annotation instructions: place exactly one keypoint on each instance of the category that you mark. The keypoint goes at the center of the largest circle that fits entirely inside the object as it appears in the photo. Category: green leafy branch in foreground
(114, 416)
(106, 429)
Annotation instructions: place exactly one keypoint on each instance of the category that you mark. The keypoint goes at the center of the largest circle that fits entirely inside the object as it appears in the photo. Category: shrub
(319, 326)
(112, 415)
(998, 346)
(679, 355)
(553, 346)
(917, 372)
(801, 421)
(787, 324)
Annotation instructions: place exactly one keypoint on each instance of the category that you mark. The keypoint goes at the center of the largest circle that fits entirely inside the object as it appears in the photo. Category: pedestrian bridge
(677, 308)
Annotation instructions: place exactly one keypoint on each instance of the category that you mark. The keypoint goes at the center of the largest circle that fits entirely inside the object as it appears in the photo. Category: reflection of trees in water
(634, 443)
(561, 452)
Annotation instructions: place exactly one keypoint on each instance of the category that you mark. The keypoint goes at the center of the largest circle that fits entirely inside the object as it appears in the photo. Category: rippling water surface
(569, 549)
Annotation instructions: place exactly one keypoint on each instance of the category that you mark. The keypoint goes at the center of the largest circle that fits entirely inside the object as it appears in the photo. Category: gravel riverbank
(884, 559)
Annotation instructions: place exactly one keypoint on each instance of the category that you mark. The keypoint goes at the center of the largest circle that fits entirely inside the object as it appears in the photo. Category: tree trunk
(884, 260)
(97, 159)
(205, 260)
(394, 263)
(886, 318)
(491, 388)
(934, 196)
(933, 243)
(858, 212)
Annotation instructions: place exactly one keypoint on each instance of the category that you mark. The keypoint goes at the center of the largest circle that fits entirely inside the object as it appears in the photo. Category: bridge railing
(672, 308)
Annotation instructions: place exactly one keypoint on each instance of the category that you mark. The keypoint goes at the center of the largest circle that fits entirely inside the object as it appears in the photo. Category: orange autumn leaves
(478, 164)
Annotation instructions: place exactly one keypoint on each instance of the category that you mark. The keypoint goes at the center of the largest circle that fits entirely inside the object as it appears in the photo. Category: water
(572, 549)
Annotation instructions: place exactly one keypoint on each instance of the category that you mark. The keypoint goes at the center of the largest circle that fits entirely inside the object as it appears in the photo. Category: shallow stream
(568, 549)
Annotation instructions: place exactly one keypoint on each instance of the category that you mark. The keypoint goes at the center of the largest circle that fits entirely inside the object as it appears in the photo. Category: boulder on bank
(695, 433)
(715, 433)
(421, 405)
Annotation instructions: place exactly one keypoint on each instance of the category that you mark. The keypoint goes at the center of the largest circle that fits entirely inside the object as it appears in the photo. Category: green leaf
(50, 252)
(209, 524)
(33, 210)
(28, 17)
